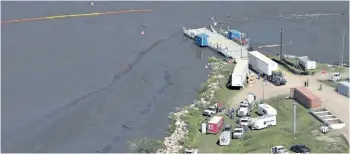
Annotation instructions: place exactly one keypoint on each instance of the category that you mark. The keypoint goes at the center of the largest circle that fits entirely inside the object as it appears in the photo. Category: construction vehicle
(247, 105)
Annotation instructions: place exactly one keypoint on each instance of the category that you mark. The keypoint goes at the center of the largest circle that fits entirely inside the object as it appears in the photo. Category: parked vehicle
(266, 109)
(263, 122)
(335, 77)
(225, 136)
(306, 63)
(300, 148)
(305, 97)
(279, 150)
(238, 133)
(278, 79)
(244, 121)
(215, 125)
(247, 105)
(240, 73)
(191, 151)
(210, 111)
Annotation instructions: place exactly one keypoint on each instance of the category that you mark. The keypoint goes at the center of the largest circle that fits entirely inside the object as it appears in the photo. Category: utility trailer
(266, 67)
(306, 63)
(240, 73)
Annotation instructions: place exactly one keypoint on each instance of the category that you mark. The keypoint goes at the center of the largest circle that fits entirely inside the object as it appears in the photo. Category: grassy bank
(261, 141)
(214, 90)
(222, 94)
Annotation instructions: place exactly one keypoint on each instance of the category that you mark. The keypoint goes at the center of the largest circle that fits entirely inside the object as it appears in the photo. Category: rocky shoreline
(172, 143)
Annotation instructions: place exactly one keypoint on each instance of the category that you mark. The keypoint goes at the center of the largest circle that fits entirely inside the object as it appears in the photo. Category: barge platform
(218, 43)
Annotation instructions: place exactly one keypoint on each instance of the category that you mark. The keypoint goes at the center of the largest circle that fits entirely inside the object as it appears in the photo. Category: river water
(67, 87)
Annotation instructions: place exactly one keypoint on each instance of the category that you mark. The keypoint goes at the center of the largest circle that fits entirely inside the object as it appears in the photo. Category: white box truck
(240, 73)
(263, 122)
(306, 63)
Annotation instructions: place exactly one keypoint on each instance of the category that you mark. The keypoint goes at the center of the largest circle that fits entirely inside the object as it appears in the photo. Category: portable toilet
(234, 35)
(202, 40)
(204, 128)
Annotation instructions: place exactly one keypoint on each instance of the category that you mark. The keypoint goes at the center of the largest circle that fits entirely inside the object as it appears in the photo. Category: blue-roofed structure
(202, 40)
(234, 34)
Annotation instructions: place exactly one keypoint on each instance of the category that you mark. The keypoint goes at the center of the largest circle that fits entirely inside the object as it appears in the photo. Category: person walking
(307, 82)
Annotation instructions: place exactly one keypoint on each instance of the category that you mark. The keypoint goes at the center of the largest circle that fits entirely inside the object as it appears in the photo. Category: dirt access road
(334, 102)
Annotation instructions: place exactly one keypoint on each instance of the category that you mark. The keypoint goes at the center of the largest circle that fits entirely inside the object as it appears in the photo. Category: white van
(263, 122)
(266, 109)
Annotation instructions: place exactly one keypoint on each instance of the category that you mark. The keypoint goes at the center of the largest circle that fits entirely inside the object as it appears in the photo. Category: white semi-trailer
(266, 67)
(261, 63)
(240, 73)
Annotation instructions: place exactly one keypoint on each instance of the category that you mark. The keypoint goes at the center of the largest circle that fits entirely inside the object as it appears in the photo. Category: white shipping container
(239, 74)
(307, 63)
(343, 88)
(261, 63)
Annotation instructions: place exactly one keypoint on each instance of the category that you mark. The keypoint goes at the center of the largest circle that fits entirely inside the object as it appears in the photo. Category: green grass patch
(194, 118)
(260, 141)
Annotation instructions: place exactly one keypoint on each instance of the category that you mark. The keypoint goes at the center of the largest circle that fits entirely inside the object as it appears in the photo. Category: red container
(215, 125)
(305, 97)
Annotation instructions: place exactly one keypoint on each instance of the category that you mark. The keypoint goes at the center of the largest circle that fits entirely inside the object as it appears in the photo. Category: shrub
(145, 145)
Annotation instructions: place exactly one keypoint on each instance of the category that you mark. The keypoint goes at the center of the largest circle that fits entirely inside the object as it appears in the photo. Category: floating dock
(207, 38)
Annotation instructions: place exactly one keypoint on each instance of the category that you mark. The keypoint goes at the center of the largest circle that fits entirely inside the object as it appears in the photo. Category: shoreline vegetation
(184, 122)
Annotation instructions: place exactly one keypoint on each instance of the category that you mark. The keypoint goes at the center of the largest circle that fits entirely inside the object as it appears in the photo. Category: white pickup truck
(238, 133)
(335, 77)
(210, 111)
(244, 121)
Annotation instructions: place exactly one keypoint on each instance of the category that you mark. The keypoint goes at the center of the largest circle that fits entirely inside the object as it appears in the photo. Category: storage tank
(202, 40)
(305, 97)
(343, 88)
(306, 63)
